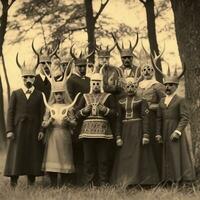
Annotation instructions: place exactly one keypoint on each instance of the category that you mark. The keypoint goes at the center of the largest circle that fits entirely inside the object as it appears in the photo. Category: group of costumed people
(117, 126)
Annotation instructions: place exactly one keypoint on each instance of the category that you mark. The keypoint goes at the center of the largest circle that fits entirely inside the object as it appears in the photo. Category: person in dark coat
(134, 161)
(41, 82)
(97, 111)
(78, 82)
(24, 119)
(172, 118)
(127, 68)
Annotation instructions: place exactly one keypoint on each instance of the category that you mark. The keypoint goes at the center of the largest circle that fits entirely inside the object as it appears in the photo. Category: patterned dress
(134, 163)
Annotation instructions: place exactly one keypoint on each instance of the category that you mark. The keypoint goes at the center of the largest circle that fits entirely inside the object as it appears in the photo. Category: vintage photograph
(99, 99)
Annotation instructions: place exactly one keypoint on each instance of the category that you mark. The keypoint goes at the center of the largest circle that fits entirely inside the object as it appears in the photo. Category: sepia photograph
(99, 99)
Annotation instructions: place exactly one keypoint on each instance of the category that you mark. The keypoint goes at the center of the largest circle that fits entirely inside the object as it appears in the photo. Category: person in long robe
(172, 119)
(134, 162)
(152, 90)
(24, 119)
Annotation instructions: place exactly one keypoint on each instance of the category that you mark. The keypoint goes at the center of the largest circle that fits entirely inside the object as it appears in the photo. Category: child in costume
(59, 121)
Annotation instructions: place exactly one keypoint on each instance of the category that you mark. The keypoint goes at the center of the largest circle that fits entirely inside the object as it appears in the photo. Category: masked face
(104, 61)
(147, 72)
(170, 88)
(96, 86)
(28, 81)
(59, 97)
(131, 88)
(127, 61)
(81, 69)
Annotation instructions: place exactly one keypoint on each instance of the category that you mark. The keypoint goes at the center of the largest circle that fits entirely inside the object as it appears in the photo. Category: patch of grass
(40, 192)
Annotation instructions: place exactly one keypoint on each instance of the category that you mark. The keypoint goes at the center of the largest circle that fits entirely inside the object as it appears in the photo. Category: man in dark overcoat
(172, 119)
(25, 113)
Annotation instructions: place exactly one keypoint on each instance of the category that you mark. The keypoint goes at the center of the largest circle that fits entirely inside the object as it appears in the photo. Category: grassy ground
(39, 192)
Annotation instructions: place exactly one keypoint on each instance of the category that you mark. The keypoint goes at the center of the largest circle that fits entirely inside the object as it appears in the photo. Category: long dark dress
(134, 162)
(177, 158)
(153, 94)
(25, 152)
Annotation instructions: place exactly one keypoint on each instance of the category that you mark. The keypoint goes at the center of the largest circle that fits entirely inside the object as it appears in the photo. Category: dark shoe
(13, 181)
(31, 180)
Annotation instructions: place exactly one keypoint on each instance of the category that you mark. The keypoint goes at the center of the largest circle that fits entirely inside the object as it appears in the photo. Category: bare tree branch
(103, 5)
(11, 3)
(142, 1)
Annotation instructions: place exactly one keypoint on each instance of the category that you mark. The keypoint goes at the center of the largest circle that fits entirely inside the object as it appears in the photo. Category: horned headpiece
(45, 53)
(126, 52)
(27, 70)
(81, 59)
(104, 53)
(59, 86)
(169, 77)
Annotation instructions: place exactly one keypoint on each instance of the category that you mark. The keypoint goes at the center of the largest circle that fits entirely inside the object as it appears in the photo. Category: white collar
(168, 98)
(30, 89)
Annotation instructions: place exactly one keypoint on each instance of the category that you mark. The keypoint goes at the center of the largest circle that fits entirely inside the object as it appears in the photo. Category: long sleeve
(111, 105)
(119, 120)
(145, 117)
(80, 106)
(184, 116)
(159, 121)
(11, 113)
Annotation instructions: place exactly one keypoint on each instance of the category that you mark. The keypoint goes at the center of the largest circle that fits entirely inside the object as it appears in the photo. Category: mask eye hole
(64, 111)
(53, 112)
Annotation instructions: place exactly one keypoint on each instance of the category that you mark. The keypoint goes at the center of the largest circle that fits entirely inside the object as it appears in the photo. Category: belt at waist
(133, 119)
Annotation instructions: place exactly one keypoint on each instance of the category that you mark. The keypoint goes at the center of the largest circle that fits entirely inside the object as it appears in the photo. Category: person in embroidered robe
(59, 121)
(97, 111)
(152, 90)
(172, 118)
(134, 161)
(25, 112)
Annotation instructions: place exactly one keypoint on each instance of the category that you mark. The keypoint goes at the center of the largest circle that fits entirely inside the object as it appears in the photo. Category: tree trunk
(187, 20)
(90, 24)
(151, 28)
(6, 77)
(2, 119)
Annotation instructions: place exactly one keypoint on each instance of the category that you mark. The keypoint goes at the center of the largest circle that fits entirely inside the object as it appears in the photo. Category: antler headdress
(45, 53)
(126, 51)
(27, 70)
(81, 59)
(104, 52)
(169, 77)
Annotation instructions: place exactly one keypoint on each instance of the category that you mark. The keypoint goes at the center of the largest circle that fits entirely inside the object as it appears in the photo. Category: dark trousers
(14, 180)
(96, 159)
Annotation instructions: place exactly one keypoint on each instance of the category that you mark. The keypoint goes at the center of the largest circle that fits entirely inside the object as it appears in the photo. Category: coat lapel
(173, 100)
